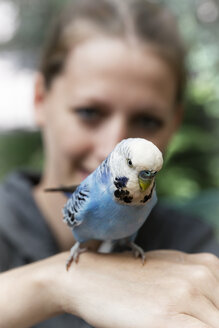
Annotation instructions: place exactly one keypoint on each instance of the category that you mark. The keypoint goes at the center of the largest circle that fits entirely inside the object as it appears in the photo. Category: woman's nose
(112, 133)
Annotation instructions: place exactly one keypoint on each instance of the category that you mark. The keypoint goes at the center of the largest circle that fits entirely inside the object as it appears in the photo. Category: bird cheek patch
(120, 182)
(123, 195)
(120, 194)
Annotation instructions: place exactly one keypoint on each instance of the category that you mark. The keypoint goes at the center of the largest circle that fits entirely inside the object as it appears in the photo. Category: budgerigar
(114, 201)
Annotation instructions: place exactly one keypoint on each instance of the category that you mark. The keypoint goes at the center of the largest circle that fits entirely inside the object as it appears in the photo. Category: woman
(111, 70)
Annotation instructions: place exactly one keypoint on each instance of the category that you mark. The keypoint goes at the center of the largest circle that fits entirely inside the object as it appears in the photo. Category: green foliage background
(192, 163)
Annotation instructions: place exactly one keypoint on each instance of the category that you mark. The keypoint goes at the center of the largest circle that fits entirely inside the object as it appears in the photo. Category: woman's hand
(172, 289)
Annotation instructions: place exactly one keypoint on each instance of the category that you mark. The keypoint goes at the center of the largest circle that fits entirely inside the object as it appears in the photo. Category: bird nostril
(145, 174)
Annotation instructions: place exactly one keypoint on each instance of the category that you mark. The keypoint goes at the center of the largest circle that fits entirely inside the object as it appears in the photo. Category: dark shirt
(25, 236)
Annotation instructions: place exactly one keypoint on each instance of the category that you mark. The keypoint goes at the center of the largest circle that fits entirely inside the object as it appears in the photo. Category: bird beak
(145, 178)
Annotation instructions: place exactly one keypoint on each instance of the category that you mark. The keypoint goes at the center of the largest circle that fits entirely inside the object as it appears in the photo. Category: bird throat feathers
(130, 193)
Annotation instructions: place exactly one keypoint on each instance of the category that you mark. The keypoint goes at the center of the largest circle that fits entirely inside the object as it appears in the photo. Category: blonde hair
(138, 19)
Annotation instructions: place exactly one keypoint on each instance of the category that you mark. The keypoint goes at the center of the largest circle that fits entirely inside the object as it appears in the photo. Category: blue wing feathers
(71, 211)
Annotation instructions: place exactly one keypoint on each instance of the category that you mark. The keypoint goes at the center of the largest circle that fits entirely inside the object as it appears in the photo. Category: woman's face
(108, 91)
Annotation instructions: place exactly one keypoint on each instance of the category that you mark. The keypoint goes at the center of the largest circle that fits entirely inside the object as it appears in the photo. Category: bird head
(134, 164)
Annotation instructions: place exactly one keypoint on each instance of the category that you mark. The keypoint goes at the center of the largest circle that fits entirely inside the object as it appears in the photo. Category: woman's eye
(88, 114)
(148, 123)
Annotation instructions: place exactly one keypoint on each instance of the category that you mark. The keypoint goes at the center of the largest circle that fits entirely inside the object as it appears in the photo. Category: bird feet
(137, 251)
(74, 254)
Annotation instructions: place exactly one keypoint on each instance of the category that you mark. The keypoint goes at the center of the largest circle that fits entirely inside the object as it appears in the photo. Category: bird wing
(74, 205)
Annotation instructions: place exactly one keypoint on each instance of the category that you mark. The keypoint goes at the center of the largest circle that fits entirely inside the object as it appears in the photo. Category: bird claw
(74, 254)
(138, 252)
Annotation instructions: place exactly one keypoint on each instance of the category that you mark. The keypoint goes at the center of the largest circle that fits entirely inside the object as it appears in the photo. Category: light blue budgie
(114, 201)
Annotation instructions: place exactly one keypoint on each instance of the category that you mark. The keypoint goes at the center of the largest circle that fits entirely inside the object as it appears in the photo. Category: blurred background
(190, 179)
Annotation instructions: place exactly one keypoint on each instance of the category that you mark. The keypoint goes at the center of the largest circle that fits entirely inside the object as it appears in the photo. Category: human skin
(171, 290)
(109, 90)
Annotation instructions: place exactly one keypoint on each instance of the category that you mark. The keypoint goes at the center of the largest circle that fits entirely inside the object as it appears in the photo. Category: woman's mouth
(84, 173)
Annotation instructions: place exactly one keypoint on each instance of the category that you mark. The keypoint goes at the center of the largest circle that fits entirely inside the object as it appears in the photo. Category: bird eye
(129, 162)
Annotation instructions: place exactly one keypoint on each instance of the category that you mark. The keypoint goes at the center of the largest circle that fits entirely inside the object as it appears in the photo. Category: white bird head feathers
(136, 162)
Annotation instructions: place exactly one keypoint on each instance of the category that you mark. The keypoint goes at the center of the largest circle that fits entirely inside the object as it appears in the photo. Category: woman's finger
(210, 261)
(188, 321)
(204, 310)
